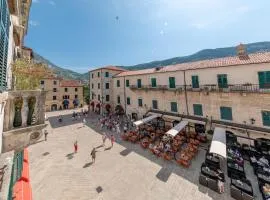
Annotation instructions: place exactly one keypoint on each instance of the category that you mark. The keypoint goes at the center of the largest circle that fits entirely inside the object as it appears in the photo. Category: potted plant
(18, 102)
(31, 107)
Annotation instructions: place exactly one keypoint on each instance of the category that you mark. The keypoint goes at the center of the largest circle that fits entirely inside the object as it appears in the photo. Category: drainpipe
(125, 98)
(185, 88)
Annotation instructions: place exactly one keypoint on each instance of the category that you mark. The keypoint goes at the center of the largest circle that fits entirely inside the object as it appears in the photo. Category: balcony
(23, 113)
(178, 88)
(240, 88)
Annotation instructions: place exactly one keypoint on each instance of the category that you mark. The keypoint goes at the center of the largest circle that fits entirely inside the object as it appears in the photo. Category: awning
(218, 145)
(145, 120)
(179, 127)
(194, 121)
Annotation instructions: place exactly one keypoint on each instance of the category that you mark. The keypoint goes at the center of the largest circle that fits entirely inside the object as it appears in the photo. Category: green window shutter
(266, 118)
(118, 83)
(197, 108)
(222, 81)
(107, 74)
(139, 83)
(226, 113)
(261, 79)
(172, 82)
(153, 82)
(140, 103)
(174, 107)
(128, 100)
(195, 82)
(127, 83)
(154, 104)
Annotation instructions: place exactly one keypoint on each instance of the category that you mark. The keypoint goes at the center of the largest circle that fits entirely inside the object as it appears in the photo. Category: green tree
(27, 74)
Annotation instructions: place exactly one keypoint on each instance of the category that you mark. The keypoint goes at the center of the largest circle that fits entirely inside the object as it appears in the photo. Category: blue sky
(84, 34)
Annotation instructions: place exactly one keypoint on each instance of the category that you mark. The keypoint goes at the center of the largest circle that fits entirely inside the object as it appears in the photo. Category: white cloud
(199, 25)
(52, 3)
(33, 23)
(35, 1)
(161, 32)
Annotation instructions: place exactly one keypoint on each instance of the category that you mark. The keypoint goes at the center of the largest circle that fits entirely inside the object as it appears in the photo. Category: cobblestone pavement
(123, 172)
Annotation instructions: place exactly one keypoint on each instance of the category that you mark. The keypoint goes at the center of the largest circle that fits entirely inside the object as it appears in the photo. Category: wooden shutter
(195, 82)
(197, 108)
(261, 79)
(266, 118)
(154, 82)
(139, 83)
(172, 82)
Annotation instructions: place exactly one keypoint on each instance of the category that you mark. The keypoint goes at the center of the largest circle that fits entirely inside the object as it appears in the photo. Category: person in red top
(75, 146)
(112, 139)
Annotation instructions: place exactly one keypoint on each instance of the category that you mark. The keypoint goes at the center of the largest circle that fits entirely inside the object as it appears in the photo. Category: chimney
(242, 52)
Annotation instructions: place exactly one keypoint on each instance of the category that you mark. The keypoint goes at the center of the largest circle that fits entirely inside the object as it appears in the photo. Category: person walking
(118, 129)
(112, 139)
(104, 137)
(45, 134)
(75, 146)
(84, 122)
(93, 154)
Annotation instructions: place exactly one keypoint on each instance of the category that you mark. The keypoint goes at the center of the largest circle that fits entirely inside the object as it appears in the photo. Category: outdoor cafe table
(263, 178)
(235, 168)
(212, 160)
(211, 173)
(243, 186)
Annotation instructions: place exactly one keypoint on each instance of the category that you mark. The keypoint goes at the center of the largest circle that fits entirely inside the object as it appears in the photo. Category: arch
(53, 107)
(119, 110)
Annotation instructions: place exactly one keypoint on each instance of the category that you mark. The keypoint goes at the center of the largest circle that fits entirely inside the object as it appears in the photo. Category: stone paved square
(125, 171)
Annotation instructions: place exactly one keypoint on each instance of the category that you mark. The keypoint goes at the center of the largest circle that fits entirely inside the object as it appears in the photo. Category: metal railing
(242, 88)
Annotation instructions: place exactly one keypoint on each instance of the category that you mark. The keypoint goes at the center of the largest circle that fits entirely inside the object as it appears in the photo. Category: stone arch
(54, 107)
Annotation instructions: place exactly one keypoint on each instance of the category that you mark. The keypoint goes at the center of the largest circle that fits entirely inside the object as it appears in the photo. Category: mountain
(64, 73)
(203, 55)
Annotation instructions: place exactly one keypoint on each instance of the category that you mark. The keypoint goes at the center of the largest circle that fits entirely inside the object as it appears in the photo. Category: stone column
(24, 111)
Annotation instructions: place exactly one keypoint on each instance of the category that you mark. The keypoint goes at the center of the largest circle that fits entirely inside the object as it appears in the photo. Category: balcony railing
(24, 118)
(158, 87)
(251, 88)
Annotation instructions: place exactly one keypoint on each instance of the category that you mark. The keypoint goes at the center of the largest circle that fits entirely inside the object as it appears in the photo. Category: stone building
(101, 88)
(62, 94)
(231, 92)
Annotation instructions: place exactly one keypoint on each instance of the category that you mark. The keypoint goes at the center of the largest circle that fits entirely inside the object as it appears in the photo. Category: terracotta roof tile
(255, 58)
(70, 83)
(110, 67)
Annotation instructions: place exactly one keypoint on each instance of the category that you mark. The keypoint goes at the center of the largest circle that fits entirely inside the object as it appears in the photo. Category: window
(99, 97)
(98, 86)
(54, 82)
(76, 96)
(128, 100)
(76, 89)
(118, 100)
(197, 109)
(107, 74)
(226, 113)
(42, 82)
(155, 104)
(127, 83)
(222, 81)
(173, 106)
(139, 83)
(92, 86)
(195, 81)
(264, 79)
(92, 75)
(54, 97)
(66, 89)
(171, 82)
(107, 97)
(107, 86)
(153, 82)
(98, 74)
(266, 118)
(66, 97)
(118, 83)
(140, 102)
(92, 96)
(54, 90)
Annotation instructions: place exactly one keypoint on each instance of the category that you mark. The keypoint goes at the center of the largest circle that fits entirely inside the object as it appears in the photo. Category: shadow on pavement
(46, 153)
(88, 165)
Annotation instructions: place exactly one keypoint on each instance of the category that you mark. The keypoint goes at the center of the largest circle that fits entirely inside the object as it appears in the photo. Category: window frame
(176, 106)
(117, 83)
(195, 109)
(140, 101)
(153, 82)
(172, 84)
(154, 100)
(128, 101)
(139, 83)
(224, 115)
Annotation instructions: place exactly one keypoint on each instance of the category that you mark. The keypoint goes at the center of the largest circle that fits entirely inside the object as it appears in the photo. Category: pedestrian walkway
(125, 171)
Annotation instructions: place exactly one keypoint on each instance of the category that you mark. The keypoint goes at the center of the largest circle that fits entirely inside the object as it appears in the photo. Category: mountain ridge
(200, 55)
